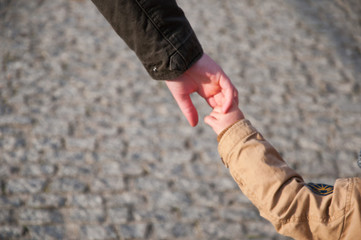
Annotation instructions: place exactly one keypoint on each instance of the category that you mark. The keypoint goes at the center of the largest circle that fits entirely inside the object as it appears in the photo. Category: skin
(207, 79)
(220, 121)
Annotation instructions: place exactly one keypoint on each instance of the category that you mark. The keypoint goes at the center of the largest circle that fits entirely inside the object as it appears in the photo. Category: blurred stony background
(92, 148)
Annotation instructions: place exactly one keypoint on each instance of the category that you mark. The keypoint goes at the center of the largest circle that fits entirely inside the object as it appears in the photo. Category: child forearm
(279, 192)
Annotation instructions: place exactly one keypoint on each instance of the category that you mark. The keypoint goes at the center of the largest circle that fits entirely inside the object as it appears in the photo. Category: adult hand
(206, 78)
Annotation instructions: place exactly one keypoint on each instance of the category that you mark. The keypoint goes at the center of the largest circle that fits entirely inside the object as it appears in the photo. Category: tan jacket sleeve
(296, 209)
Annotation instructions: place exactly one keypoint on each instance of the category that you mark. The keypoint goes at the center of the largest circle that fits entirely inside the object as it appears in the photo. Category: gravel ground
(92, 148)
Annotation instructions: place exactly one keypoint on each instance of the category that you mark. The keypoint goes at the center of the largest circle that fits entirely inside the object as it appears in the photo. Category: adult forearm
(157, 31)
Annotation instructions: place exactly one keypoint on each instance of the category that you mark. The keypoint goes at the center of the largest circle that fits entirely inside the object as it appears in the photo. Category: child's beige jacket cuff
(232, 135)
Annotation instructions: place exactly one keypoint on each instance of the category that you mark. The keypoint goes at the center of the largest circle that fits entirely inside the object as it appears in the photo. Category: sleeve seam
(163, 35)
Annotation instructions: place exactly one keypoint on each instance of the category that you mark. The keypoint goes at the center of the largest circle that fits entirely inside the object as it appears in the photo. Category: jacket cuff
(182, 58)
(231, 136)
(219, 137)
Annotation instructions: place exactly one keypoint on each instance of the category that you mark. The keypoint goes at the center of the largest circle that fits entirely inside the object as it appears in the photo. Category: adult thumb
(189, 111)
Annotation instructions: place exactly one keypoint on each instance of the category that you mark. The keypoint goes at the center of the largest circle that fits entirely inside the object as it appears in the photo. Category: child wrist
(220, 135)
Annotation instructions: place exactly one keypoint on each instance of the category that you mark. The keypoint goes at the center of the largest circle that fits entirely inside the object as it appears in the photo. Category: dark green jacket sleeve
(157, 31)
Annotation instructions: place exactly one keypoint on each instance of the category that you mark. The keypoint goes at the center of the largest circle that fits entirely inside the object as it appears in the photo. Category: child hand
(220, 121)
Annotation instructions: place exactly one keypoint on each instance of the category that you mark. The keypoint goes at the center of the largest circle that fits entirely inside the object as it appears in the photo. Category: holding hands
(220, 121)
(206, 78)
